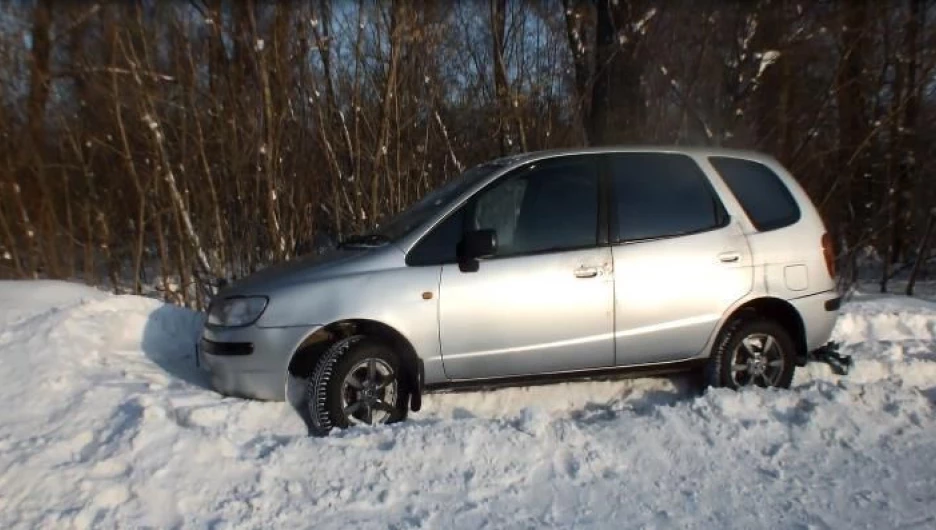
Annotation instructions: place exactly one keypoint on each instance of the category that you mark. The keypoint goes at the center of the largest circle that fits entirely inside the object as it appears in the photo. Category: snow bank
(106, 423)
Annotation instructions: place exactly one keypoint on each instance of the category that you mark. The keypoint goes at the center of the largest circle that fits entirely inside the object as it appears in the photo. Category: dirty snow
(106, 423)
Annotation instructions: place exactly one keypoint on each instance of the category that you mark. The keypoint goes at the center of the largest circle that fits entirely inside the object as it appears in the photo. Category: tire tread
(317, 389)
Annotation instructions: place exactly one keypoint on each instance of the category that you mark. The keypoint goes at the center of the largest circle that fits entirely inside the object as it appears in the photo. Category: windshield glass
(434, 201)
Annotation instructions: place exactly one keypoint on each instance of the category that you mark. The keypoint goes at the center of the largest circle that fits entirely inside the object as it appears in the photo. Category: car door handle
(729, 257)
(586, 272)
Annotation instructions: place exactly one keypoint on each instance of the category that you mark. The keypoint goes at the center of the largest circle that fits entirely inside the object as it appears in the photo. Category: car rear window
(764, 197)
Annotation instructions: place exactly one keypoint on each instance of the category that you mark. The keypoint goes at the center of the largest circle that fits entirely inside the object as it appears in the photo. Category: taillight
(828, 252)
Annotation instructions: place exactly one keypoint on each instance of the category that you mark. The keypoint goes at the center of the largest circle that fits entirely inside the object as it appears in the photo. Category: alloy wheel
(368, 392)
(757, 360)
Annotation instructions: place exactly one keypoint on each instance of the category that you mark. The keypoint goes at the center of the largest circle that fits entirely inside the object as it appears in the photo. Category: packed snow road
(105, 423)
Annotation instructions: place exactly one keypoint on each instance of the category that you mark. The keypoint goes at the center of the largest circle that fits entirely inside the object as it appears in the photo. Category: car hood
(303, 269)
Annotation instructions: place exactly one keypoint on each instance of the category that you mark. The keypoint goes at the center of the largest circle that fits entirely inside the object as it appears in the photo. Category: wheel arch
(309, 351)
(778, 310)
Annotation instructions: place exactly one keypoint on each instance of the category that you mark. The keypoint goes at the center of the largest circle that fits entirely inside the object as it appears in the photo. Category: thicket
(172, 143)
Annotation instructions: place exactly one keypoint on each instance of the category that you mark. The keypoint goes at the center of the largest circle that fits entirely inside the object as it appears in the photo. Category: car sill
(615, 372)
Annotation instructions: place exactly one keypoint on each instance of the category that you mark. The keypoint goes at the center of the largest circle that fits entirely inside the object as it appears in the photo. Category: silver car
(559, 264)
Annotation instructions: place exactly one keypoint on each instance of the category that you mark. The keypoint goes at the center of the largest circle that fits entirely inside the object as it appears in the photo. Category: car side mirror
(473, 246)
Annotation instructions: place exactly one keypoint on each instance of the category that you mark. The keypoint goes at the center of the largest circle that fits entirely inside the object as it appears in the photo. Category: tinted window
(765, 199)
(661, 195)
(552, 205)
(434, 201)
(438, 246)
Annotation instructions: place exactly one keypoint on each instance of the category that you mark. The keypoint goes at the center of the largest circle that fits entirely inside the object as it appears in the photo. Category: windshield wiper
(363, 240)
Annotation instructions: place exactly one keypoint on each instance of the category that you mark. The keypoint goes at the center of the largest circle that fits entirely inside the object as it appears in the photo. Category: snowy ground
(106, 423)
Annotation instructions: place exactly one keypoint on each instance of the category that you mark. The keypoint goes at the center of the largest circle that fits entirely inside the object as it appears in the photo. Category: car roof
(679, 149)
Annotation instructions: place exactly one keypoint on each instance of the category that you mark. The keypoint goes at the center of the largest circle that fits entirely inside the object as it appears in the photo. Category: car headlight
(237, 311)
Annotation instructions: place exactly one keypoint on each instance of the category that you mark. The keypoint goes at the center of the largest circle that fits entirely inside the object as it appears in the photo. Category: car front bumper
(250, 362)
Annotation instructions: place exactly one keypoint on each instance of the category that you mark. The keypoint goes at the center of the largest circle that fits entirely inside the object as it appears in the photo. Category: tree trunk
(768, 83)
(617, 108)
(389, 93)
(906, 155)
(498, 21)
(923, 252)
(892, 170)
(853, 123)
(32, 150)
(39, 71)
(575, 23)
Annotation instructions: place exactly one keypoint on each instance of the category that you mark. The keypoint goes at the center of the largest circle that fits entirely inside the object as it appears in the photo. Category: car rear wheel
(753, 352)
(358, 381)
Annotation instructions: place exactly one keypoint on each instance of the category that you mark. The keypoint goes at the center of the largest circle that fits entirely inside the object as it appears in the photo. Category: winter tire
(752, 351)
(357, 381)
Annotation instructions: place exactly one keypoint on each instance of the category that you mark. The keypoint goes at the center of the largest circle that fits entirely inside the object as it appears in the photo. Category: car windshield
(431, 203)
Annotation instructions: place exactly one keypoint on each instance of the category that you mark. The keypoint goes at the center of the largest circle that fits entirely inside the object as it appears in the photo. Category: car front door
(544, 301)
(679, 260)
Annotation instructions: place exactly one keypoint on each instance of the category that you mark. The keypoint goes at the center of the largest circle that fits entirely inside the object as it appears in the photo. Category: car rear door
(544, 302)
(679, 261)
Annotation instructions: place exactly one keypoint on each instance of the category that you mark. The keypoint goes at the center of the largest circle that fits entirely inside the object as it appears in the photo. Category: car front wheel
(356, 382)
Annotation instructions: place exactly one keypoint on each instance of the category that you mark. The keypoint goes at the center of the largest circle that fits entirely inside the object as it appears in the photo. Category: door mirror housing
(474, 245)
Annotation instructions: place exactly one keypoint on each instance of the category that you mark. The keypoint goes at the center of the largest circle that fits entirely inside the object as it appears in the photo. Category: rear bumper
(833, 304)
(249, 362)
(819, 313)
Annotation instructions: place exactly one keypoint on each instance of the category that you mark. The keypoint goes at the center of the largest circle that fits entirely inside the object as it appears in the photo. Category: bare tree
(158, 147)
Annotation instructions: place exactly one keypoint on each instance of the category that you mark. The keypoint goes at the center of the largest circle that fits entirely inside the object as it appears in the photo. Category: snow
(106, 423)
(766, 59)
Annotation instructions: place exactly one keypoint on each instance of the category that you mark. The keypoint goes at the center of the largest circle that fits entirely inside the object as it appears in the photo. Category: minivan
(546, 265)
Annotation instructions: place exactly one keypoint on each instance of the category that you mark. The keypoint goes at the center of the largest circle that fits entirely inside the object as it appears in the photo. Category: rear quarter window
(763, 196)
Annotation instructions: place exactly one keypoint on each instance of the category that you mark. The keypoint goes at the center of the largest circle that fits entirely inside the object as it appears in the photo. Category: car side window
(657, 195)
(763, 196)
(550, 205)
(438, 246)
(499, 209)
